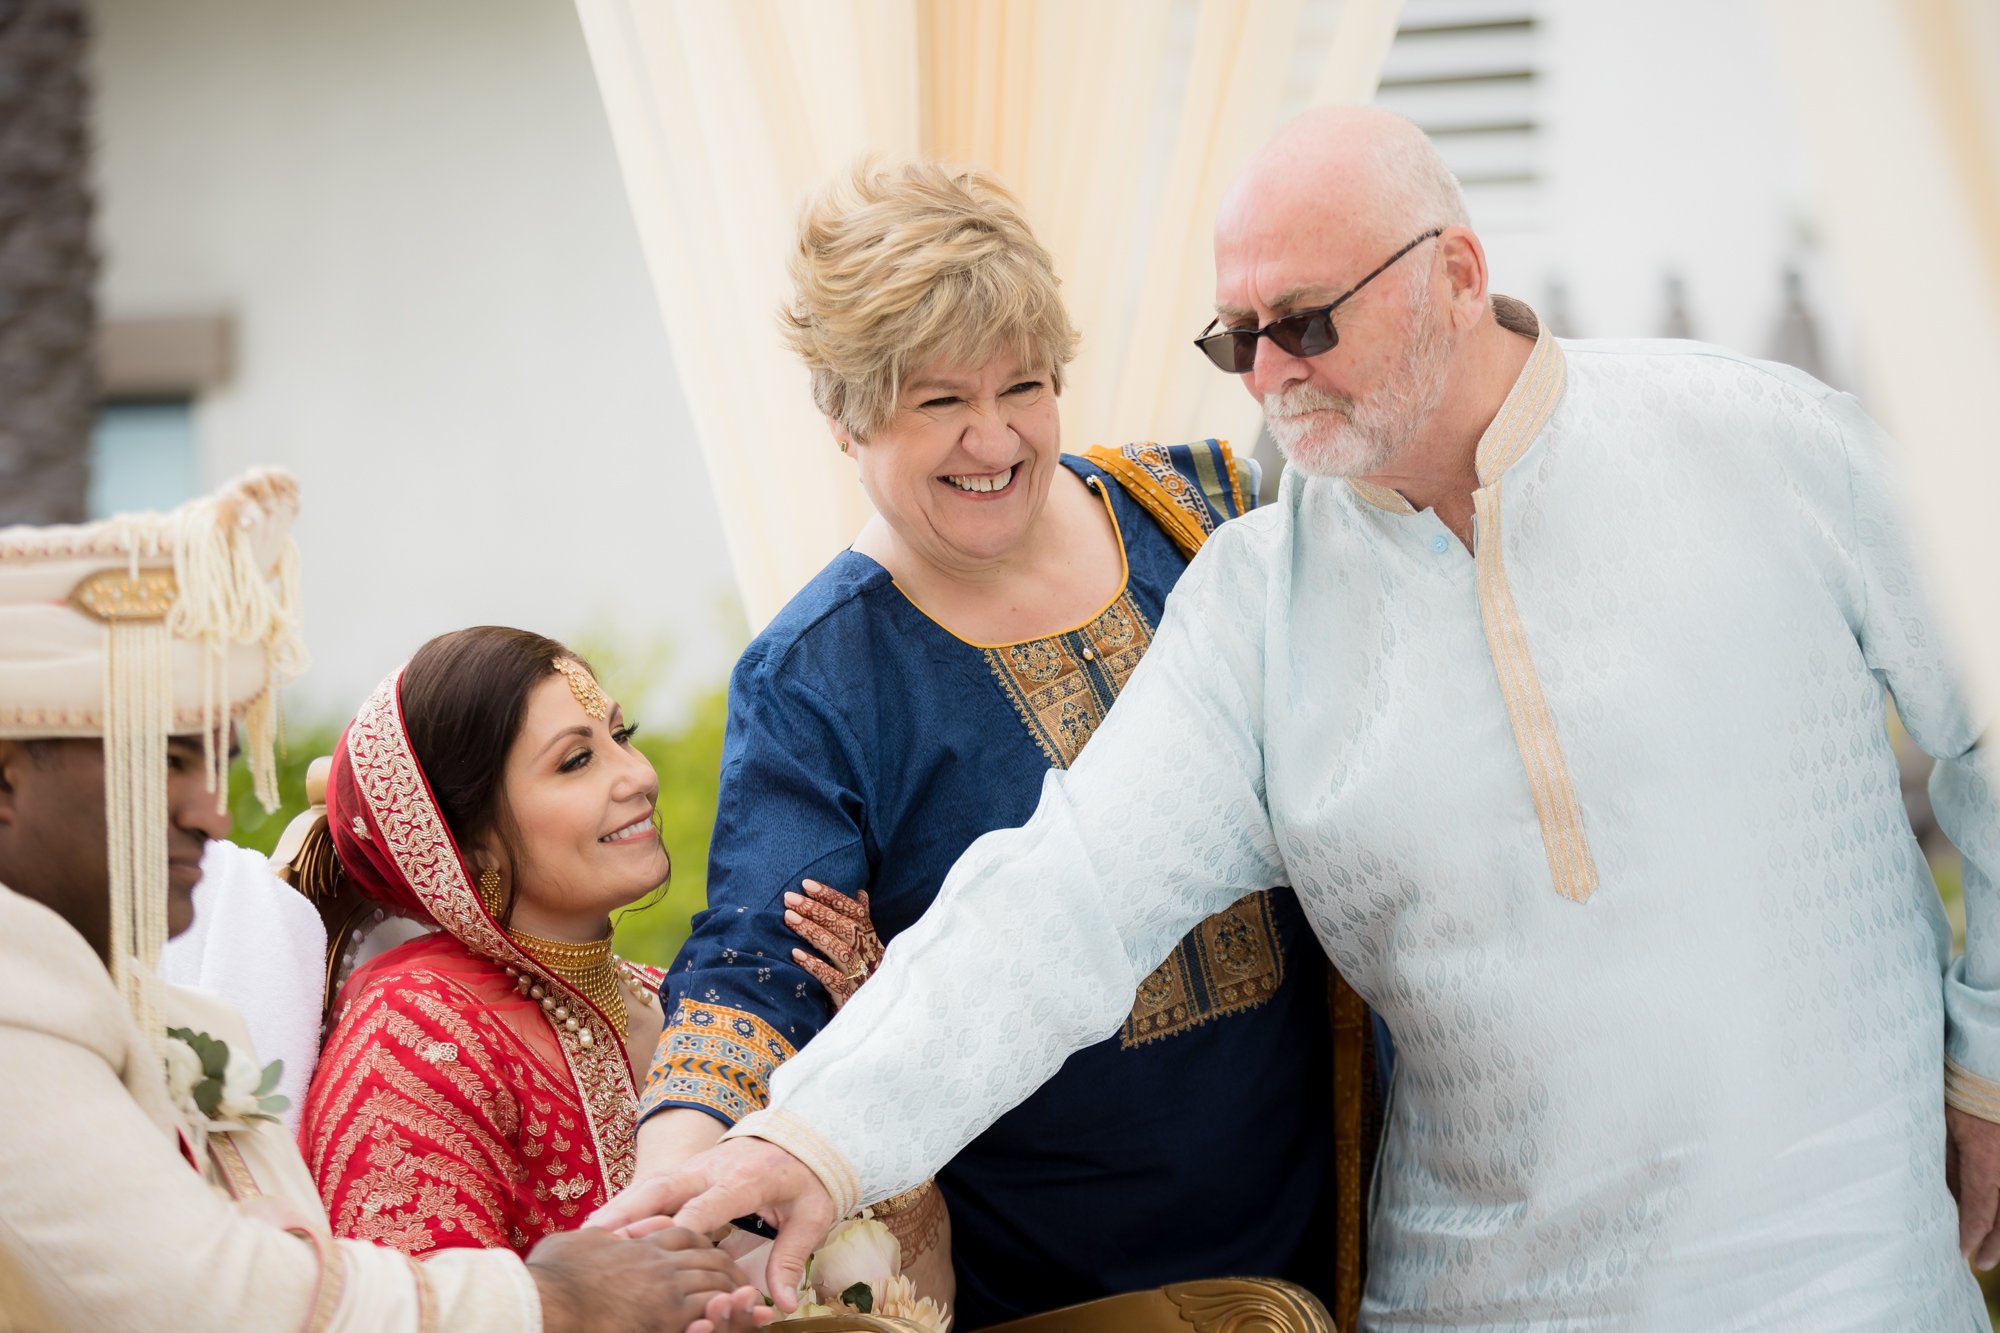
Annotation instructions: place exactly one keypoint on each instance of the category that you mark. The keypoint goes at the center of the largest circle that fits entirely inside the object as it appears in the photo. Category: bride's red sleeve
(410, 1128)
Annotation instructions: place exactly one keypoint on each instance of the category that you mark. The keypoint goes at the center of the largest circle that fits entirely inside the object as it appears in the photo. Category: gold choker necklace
(588, 969)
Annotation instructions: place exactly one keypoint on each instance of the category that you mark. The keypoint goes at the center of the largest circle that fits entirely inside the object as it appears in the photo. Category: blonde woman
(912, 698)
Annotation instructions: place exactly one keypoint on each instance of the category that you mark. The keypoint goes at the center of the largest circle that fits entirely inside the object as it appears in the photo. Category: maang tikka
(583, 685)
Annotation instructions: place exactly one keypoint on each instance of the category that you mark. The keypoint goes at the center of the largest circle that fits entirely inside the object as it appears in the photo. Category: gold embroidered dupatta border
(1149, 477)
(1527, 408)
(399, 798)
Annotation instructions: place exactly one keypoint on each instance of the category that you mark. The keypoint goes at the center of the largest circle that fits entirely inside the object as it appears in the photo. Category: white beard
(1331, 435)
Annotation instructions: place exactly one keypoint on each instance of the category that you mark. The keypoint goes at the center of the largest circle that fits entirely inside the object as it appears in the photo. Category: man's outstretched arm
(1035, 946)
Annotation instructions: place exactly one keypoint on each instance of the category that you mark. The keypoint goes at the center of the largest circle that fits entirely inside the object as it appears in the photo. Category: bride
(477, 1086)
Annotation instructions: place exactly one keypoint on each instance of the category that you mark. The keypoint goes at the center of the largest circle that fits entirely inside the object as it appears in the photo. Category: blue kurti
(867, 747)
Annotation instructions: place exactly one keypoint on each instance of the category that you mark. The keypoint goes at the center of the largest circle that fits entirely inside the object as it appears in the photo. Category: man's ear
(1465, 269)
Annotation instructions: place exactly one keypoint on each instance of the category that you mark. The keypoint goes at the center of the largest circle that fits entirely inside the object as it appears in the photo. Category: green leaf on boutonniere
(207, 1095)
(861, 1296)
(214, 1054)
(269, 1083)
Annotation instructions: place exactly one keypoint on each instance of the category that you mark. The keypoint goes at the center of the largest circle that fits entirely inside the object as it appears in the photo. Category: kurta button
(1440, 544)
(1089, 656)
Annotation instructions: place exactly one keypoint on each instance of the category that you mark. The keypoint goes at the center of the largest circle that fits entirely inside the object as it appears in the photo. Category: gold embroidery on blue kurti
(1236, 964)
(1061, 688)
(1159, 465)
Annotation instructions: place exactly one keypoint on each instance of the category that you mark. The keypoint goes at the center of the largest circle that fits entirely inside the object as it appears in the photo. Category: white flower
(897, 1299)
(183, 1072)
(239, 1089)
(859, 1250)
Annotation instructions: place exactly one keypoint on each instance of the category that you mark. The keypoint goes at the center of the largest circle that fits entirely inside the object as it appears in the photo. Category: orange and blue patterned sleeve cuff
(716, 1059)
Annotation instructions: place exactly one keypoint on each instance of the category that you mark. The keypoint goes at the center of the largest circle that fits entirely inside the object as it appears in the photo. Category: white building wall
(1667, 147)
(412, 214)
(414, 217)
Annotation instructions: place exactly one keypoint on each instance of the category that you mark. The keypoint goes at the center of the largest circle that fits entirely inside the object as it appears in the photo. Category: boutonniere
(217, 1089)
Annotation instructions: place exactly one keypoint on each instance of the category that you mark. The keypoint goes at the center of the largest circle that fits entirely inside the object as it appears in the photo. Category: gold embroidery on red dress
(411, 1201)
(366, 1054)
(444, 1146)
(391, 784)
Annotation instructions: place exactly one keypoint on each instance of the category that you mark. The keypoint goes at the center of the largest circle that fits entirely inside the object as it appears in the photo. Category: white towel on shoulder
(261, 947)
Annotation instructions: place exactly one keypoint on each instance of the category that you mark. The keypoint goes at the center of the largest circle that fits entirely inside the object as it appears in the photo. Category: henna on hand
(842, 932)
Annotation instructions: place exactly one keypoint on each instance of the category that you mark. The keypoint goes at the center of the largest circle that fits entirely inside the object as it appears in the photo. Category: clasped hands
(736, 1178)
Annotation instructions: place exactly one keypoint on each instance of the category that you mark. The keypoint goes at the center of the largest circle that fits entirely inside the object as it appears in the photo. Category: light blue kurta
(1604, 823)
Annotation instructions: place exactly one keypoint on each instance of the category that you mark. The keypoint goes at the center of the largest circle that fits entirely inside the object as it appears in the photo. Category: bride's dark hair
(463, 697)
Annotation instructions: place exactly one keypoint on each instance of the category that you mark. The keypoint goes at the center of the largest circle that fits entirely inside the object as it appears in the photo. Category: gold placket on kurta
(1521, 417)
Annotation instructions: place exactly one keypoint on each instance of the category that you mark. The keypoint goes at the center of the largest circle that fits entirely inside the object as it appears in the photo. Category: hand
(735, 1178)
(1972, 1171)
(674, 1279)
(670, 1136)
(842, 930)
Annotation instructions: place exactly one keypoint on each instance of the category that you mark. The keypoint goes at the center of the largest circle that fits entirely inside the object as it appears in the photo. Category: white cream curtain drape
(1117, 122)
(1899, 103)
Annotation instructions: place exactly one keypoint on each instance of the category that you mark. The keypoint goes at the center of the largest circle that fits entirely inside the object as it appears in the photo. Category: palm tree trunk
(48, 383)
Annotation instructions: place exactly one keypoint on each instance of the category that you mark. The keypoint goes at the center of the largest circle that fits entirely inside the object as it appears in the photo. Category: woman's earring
(489, 890)
(843, 446)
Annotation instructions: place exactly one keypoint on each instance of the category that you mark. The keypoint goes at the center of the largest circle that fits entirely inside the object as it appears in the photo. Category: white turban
(144, 626)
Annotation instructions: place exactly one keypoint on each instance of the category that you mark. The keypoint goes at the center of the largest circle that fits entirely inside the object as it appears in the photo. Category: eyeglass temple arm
(1381, 268)
(1339, 300)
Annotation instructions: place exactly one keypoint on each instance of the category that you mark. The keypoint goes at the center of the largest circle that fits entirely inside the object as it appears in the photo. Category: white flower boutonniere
(217, 1089)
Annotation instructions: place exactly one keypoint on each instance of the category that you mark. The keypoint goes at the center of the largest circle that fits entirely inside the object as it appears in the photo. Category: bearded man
(1553, 683)
(145, 1180)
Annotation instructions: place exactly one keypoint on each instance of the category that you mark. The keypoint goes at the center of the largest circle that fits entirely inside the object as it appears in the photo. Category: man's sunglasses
(1304, 333)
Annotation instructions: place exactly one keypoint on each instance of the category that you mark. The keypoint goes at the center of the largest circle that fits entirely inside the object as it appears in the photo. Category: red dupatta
(438, 1116)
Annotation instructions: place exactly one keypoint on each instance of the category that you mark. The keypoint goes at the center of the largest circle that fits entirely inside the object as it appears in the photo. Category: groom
(1553, 682)
(117, 1209)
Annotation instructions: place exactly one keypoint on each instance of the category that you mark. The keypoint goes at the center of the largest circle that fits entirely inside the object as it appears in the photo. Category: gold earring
(843, 446)
(489, 890)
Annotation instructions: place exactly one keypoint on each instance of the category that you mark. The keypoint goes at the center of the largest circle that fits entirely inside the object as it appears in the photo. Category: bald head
(1356, 171)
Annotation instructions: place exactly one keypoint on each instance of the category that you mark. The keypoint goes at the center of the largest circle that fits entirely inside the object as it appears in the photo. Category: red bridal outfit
(470, 1093)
